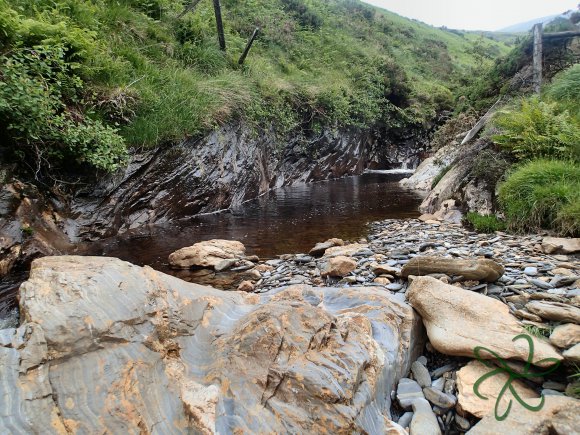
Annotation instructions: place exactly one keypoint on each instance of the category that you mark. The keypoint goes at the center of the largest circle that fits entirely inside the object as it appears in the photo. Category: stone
(405, 419)
(531, 271)
(380, 269)
(337, 266)
(555, 245)
(394, 287)
(427, 217)
(345, 251)
(407, 392)
(438, 384)
(462, 423)
(225, 264)
(572, 354)
(559, 415)
(207, 254)
(382, 280)
(458, 320)
(468, 402)
(246, 286)
(556, 386)
(421, 374)
(481, 269)
(439, 398)
(555, 311)
(109, 347)
(424, 421)
(392, 428)
(565, 336)
(319, 249)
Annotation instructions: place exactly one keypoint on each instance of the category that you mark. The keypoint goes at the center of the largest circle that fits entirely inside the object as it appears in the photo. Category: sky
(475, 14)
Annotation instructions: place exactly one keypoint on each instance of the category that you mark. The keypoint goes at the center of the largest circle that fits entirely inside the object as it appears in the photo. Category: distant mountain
(527, 25)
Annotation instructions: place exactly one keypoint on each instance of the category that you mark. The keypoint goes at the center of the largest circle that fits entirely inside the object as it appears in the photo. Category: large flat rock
(475, 269)
(109, 347)
(558, 416)
(459, 320)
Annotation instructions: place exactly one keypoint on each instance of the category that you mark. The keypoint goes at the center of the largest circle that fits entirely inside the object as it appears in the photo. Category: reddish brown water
(287, 220)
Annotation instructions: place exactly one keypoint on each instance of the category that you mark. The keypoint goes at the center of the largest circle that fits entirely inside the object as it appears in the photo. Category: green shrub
(536, 129)
(38, 93)
(485, 224)
(543, 194)
(439, 176)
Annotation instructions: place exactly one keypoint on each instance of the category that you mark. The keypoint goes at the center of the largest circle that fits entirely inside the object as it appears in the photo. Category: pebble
(405, 419)
(531, 271)
(421, 374)
(438, 384)
(395, 287)
(439, 398)
(424, 421)
(407, 392)
(462, 423)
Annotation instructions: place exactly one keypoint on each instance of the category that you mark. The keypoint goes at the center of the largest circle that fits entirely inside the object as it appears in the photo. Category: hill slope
(133, 65)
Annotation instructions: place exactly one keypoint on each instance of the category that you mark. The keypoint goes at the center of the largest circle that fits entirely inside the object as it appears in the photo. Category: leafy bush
(543, 194)
(536, 129)
(35, 88)
(485, 224)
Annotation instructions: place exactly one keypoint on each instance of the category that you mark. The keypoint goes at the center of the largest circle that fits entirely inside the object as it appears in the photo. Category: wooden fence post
(220, 25)
(538, 55)
(249, 45)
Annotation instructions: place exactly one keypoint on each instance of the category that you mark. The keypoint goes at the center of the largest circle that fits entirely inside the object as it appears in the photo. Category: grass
(440, 175)
(538, 332)
(332, 63)
(543, 194)
(485, 224)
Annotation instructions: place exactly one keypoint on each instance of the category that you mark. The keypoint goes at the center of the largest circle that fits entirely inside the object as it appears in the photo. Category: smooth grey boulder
(109, 347)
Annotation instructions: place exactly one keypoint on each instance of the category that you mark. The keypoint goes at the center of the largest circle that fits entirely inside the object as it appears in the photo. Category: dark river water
(283, 221)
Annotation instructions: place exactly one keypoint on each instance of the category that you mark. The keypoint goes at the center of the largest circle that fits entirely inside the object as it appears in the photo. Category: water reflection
(286, 220)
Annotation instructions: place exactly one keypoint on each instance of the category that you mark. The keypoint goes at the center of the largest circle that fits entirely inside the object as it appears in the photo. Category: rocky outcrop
(229, 166)
(476, 269)
(457, 321)
(558, 416)
(106, 346)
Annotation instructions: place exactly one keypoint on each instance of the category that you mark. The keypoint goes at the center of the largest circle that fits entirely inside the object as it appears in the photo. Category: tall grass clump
(565, 89)
(543, 194)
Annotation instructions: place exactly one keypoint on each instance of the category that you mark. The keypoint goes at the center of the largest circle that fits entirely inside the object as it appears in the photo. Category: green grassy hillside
(81, 80)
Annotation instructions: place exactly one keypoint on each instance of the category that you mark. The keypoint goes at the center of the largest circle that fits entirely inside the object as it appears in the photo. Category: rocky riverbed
(375, 336)
(505, 285)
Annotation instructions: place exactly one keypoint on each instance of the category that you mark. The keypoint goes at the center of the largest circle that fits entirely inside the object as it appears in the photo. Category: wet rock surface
(106, 346)
(435, 397)
(229, 166)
